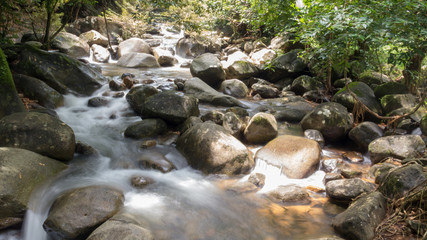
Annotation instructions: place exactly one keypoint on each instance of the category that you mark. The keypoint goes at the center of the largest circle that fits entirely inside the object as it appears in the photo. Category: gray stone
(38, 132)
(137, 96)
(71, 44)
(265, 91)
(100, 54)
(315, 135)
(232, 124)
(209, 148)
(364, 133)
(133, 45)
(304, 84)
(345, 190)
(208, 68)
(93, 37)
(261, 128)
(155, 160)
(146, 128)
(359, 221)
(286, 65)
(136, 60)
(291, 194)
(76, 213)
(234, 88)
(241, 70)
(400, 147)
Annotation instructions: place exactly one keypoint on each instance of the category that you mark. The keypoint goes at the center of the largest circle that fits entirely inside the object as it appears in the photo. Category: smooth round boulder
(100, 54)
(38, 132)
(234, 88)
(146, 128)
(364, 133)
(374, 79)
(331, 119)
(393, 102)
(241, 70)
(264, 90)
(298, 157)
(400, 147)
(360, 220)
(209, 148)
(291, 194)
(71, 44)
(304, 83)
(133, 45)
(287, 65)
(76, 213)
(21, 171)
(345, 190)
(208, 68)
(137, 60)
(164, 57)
(171, 107)
(261, 128)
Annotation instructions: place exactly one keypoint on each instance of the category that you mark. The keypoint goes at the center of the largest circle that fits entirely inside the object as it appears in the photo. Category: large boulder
(292, 111)
(389, 88)
(36, 89)
(164, 57)
(170, 107)
(304, 83)
(89, 23)
(208, 68)
(400, 147)
(133, 45)
(396, 101)
(59, 71)
(398, 181)
(265, 90)
(287, 65)
(331, 119)
(373, 79)
(234, 88)
(146, 128)
(94, 37)
(263, 56)
(136, 60)
(9, 99)
(359, 221)
(189, 48)
(241, 70)
(206, 94)
(364, 94)
(261, 128)
(210, 148)
(345, 190)
(100, 54)
(21, 171)
(38, 132)
(364, 133)
(298, 157)
(71, 44)
(76, 213)
(121, 226)
(137, 96)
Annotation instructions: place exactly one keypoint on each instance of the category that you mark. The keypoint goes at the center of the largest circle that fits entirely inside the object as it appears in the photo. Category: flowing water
(182, 204)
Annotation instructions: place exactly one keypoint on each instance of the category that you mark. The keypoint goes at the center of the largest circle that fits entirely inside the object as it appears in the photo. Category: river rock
(137, 96)
(93, 37)
(140, 182)
(345, 190)
(287, 65)
(396, 101)
(208, 68)
(423, 125)
(97, 102)
(122, 226)
(362, 217)
(234, 88)
(292, 111)
(364, 133)
(116, 86)
(170, 107)
(96, 23)
(233, 125)
(315, 135)
(261, 128)
(100, 54)
(390, 88)
(214, 116)
(398, 181)
(291, 194)
(59, 71)
(191, 121)
(21, 171)
(71, 44)
(133, 45)
(331, 119)
(211, 149)
(36, 89)
(241, 70)
(197, 88)
(257, 179)
(373, 79)
(263, 56)
(264, 90)
(146, 128)
(304, 84)
(364, 94)
(164, 57)
(76, 213)
(400, 147)
(38, 132)
(136, 60)
(155, 160)
(298, 157)
(189, 48)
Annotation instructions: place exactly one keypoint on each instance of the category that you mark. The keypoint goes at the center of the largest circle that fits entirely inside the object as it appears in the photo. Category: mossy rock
(392, 102)
(374, 79)
(390, 88)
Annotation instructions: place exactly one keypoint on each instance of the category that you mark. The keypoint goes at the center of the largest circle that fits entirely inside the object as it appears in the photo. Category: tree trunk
(413, 66)
(9, 99)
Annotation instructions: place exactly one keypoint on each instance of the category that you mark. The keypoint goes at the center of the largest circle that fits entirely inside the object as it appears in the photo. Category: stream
(182, 204)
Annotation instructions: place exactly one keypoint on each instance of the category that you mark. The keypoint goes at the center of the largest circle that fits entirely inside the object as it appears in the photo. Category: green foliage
(11, 12)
